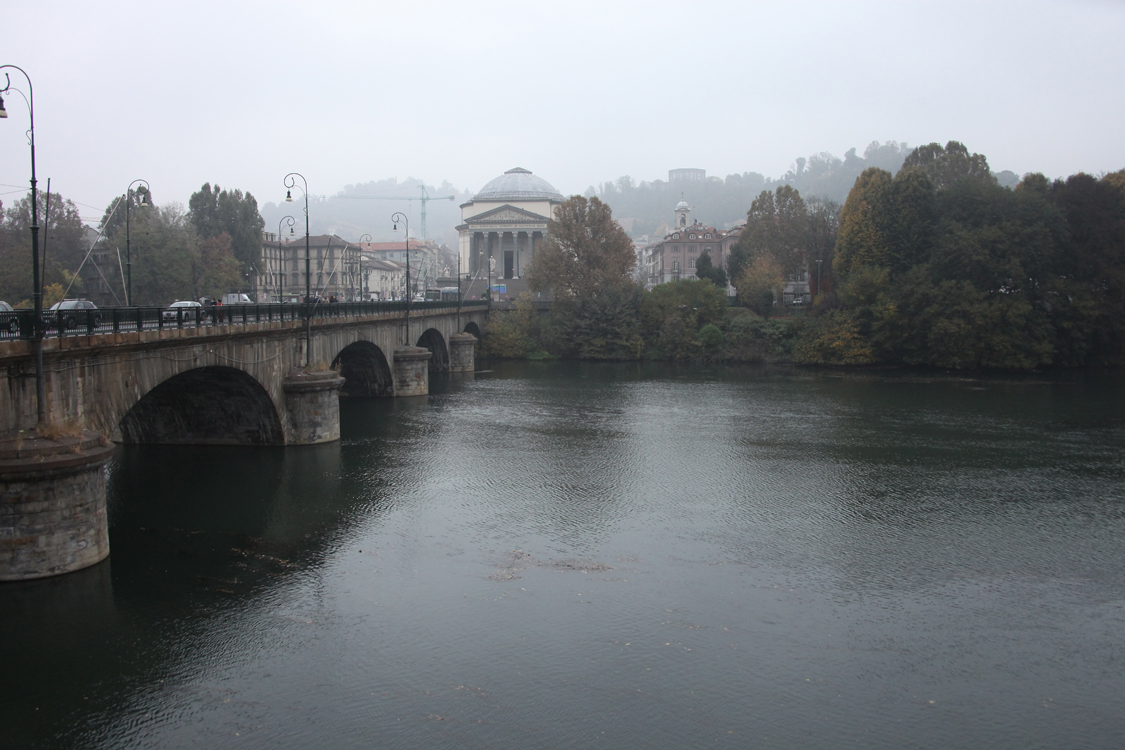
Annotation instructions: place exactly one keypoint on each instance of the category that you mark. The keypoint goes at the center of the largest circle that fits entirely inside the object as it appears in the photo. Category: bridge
(138, 376)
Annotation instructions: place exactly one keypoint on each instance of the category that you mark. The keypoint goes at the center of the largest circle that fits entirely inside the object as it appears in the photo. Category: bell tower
(683, 214)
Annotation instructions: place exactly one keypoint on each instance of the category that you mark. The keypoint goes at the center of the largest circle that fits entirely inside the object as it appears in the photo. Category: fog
(241, 93)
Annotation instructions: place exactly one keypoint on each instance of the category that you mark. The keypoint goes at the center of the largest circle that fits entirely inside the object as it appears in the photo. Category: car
(185, 310)
(71, 312)
(10, 321)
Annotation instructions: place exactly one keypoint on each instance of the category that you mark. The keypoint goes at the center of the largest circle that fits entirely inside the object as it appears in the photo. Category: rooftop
(518, 184)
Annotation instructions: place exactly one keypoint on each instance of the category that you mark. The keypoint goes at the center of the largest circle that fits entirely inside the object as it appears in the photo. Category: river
(552, 555)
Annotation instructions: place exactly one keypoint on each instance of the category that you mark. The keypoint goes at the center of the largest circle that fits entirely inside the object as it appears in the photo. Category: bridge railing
(19, 324)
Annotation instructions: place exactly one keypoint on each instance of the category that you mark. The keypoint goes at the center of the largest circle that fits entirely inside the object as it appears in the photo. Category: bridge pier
(312, 405)
(412, 371)
(462, 352)
(52, 505)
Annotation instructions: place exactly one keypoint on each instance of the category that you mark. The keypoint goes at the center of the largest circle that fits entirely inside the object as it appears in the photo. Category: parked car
(70, 312)
(11, 322)
(185, 309)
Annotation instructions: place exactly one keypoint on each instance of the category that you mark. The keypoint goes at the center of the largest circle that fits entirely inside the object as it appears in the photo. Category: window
(708, 236)
(691, 237)
(675, 266)
(676, 236)
(691, 264)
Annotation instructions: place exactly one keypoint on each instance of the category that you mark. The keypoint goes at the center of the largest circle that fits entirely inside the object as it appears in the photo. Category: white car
(187, 309)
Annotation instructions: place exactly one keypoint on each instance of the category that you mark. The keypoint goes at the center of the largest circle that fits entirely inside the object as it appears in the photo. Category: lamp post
(287, 221)
(290, 183)
(36, 293)
(396, 217)
(128, 255)
(359, 264)
(818, 260)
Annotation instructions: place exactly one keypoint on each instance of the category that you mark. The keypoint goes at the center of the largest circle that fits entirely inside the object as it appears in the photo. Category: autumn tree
(760, 284)
(586, 252)
(587, 266)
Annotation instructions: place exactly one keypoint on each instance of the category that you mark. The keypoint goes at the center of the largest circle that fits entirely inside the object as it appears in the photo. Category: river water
(554, 555)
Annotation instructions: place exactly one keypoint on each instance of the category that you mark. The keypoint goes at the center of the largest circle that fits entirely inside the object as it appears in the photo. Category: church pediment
(506, 215)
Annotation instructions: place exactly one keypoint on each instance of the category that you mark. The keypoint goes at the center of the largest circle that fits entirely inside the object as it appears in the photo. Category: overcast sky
(239, 93)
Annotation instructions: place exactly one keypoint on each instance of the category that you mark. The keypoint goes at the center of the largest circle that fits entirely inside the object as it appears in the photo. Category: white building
(502, 226)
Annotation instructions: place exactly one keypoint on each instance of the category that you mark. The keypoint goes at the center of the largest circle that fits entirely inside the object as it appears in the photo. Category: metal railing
(19, 324)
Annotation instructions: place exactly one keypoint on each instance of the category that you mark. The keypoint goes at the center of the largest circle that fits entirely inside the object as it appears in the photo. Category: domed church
(502, 226)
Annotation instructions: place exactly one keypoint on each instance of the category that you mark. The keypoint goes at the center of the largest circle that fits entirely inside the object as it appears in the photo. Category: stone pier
(312, 403)
(462, 352)
(412, 371)
(52, 505)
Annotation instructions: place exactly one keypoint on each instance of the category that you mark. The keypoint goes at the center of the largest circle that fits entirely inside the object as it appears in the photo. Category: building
(502, 226)
(382, 279)
(674, 257)
(691, 176)
(334, 268)
(428, 260)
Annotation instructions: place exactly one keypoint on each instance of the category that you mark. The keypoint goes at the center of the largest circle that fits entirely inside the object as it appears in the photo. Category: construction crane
(425, 197)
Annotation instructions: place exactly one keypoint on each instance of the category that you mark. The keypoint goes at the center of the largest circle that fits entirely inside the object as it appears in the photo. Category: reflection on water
(634, 556)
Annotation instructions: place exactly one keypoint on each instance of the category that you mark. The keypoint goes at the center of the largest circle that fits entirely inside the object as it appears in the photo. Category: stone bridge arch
(473, 328)
(212, 405)
(365, 370)
(432, 339)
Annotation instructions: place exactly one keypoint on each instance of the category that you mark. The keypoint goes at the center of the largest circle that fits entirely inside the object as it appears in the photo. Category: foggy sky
(240, 93)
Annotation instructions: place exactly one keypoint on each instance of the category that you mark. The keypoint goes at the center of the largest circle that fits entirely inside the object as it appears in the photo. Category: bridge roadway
(234, 383)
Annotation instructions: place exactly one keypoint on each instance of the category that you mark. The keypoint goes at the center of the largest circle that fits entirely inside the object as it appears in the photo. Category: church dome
(681, 205)
(518, 185)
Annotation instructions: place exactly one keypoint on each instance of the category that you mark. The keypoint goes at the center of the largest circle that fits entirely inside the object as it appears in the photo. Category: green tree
(946, 166)
(695, 302)
(705, 269)
(213, 211)
(61, 246)
(114, 218)
(777, 225)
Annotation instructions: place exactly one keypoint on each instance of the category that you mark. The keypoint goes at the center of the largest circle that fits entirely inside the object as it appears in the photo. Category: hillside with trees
(937, 265)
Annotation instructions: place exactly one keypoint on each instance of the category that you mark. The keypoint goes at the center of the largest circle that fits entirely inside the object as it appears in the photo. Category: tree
(945, 166)
(776, 225)
(586, 253)
(212, 211)
(823, 226)
(706, 271)
(61, 246)
(114, 218)
(587, 266)
(759, 284)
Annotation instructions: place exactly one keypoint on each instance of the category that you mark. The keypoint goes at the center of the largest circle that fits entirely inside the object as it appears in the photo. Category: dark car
(70, 312)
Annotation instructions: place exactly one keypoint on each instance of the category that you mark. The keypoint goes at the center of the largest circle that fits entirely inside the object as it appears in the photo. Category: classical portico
(504, 224)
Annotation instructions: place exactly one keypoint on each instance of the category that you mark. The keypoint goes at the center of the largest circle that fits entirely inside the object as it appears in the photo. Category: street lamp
(287, 221)
(128, 255)
(359, 265)
(396, 217)
(290, 183)
(818, 260)
(36, 293)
